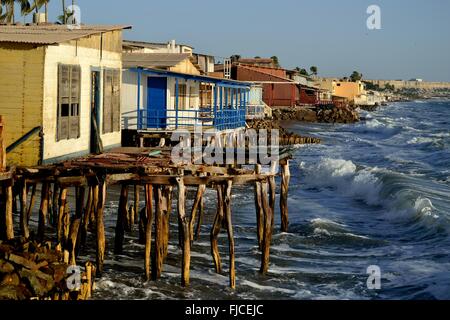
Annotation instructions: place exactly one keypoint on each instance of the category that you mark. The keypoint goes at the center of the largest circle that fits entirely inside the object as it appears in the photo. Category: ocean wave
(373, 186)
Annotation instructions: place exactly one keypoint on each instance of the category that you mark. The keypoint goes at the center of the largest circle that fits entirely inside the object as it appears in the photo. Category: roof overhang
(199, 78)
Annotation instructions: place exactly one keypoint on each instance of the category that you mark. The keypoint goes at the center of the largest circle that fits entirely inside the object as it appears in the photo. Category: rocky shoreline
(286, 137)
(321, 114)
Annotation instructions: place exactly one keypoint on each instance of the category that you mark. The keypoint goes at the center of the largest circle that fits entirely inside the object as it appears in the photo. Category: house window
(111, 100)
(182, 95)
(193, 96)
(68, 117)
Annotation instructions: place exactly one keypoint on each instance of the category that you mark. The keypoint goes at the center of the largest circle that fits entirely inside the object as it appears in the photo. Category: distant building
(258, 62)
(204, 63)
(60, 91)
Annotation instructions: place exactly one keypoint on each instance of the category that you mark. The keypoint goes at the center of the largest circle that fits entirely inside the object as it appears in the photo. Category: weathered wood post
(259, 209)
(137, 191)
(285, 180)
(62, 203)
(148, 228)
(121, 220)
(159, 233)
(9, 222)
(101, 245)
(268, 216)
(87, 214)
(272, 189)
(32, 202)
(185, 228)
(43, 211)
(195, 208)
(55, 210)
(215, 231)
(227, 206)
(167, 196)
(75, 225)
(25, 232)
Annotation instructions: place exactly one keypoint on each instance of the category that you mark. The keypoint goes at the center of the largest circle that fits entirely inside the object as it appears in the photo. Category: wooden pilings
(101, 245)
(267, 234)
(227, 207)
(259, 209)
(121, 220)
(217, 225)
(185, 228)
(285, 180)
(9, 223)
(43, 211)
(148, 228)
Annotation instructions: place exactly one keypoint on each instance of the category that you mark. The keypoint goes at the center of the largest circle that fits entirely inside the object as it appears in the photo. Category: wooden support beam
(184, 222)
(159, 233)
(62, 203)
(227, 208)
(285, 180)
(148, 228)
(215, 231)
(43, 211)
(200, 218)
(9, 221)
(268, 216)
(259, 209)
(137, 191)
(87, 214)
(32, 202)
(195, 208)
(75, 225)
(55, 211)
(121, 220)
(272, 189)
(167, 199)
(24, 230)
(101, 245)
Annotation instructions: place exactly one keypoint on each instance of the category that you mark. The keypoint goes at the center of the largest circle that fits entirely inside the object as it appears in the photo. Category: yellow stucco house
(59, 90)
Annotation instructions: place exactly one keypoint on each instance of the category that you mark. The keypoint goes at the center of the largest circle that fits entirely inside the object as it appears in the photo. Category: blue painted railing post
(176, 103)
(138, 110)
(215, 106)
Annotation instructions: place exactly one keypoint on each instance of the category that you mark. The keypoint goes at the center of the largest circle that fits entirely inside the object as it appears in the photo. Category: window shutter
(116, 101)
(107, 99)
(64, 102)
(75, 81)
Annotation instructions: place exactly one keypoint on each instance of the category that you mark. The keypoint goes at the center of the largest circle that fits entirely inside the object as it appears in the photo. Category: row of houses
(66, 92)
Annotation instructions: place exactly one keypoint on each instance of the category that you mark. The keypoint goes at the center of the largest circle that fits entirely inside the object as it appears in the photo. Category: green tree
(356, 76)
(38, 4)
(7, 14)
(313, 70)
(275, 60)
(235, 58)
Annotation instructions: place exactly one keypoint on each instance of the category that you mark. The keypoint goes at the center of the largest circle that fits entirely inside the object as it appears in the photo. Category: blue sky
(413, 42)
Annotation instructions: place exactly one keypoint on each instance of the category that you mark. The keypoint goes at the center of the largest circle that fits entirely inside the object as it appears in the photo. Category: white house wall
(87, 59)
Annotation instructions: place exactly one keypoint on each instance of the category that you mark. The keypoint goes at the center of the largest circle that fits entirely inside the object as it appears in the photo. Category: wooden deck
(137, 168)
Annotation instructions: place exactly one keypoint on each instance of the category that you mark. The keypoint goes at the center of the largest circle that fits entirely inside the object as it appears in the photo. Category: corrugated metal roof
(51, 33)
(151, 45)
(153, 60)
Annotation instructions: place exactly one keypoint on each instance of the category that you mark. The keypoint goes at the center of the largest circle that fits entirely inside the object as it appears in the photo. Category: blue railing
(227, 118)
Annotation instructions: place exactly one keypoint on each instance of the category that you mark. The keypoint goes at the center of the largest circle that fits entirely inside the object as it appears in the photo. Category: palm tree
(313, 70)
(9, 15)
(38, 4)
(275, 60)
